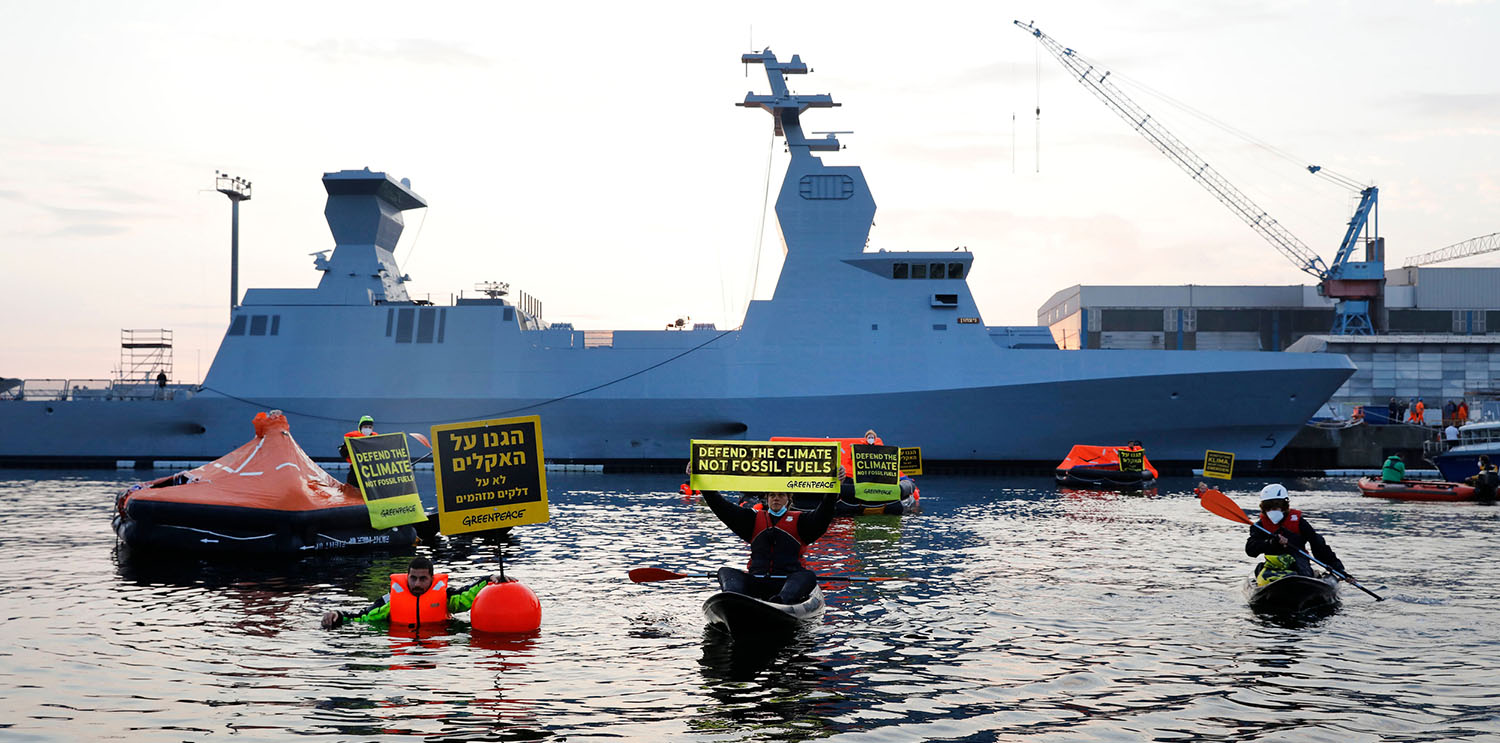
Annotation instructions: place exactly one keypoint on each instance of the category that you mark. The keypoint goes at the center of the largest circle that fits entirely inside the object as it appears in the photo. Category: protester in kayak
(776, 534)
(365, 427)
(1487, 482)
(1394, 469)
(417, 597)
(1290, 533)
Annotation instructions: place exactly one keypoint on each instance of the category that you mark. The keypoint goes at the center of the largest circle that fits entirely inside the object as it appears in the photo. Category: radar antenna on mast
(493, 289)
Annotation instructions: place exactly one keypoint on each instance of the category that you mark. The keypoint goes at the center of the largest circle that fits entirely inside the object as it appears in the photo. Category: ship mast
(787, 108)
(237, 189)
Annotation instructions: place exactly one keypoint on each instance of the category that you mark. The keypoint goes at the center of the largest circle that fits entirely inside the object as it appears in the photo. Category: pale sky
(592, 156)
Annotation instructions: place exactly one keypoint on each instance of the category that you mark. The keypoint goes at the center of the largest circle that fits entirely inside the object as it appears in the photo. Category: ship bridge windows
(927, 270)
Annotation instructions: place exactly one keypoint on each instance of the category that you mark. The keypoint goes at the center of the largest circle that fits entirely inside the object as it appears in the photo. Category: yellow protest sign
(490, 474)
(1132, 460)
(382, 467)
(911, 460)
(1218, 464)
(765, 466)
(877, 470)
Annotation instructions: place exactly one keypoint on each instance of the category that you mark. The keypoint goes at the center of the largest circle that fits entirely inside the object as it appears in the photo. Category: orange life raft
(267, 496)
(1098, 467)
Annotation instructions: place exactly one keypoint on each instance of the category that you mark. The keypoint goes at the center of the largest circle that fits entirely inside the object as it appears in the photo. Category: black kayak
(1293, 594)
(742, 615)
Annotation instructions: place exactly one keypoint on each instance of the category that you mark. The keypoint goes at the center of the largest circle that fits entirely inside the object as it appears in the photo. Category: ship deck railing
(79, 390)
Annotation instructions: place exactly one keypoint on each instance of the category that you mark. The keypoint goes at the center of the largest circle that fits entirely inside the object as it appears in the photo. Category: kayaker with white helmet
(1290, 532)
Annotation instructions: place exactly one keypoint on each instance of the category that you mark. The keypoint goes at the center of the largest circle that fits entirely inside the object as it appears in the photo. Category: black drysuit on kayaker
(774, 551)
(1299, 534)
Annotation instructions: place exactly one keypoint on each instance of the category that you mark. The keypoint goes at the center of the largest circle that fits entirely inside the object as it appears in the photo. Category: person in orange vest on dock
(1462, 416)
(418, 597)
(365, 427)
(1417, 411)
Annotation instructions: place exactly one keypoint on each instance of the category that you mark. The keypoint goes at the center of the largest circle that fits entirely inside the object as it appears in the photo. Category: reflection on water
(1074, 615)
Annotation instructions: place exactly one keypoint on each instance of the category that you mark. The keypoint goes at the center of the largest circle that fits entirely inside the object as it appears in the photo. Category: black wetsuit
(1261, 543)
(1485, 484)
(764, 554)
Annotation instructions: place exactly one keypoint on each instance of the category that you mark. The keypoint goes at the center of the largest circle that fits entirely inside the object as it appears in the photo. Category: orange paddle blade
(421, 439)
(1220, 505)
(651, 575)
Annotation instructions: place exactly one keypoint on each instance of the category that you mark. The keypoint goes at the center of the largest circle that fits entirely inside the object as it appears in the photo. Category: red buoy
(508, 607)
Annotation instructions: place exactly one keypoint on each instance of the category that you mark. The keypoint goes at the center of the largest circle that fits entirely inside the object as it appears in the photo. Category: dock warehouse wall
(1435, 367)
(1417, 301)
(1187, 318)
(1440, 331)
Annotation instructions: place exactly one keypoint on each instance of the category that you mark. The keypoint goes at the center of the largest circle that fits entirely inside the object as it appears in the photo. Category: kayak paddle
(651, 575)
(1220, 505)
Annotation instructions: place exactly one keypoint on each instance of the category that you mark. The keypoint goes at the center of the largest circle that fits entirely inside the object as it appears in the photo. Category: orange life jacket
(411, 611)
(1292, 522)
(355, 434)
(771, 552)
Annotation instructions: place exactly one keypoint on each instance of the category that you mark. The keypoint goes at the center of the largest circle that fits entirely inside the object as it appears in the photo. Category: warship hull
(1178, 416)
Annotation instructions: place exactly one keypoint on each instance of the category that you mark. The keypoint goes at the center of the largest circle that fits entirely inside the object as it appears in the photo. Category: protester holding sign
(776, 534)
(382, 470)
(365, 427)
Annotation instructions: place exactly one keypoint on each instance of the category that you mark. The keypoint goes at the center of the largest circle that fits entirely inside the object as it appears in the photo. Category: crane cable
(760, 232)
(1324, 173)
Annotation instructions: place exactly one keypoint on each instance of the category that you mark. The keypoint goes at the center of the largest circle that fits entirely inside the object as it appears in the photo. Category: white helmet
(1273, 492)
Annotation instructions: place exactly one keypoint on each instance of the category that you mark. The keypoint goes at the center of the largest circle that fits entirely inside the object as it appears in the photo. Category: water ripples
(1073, 615)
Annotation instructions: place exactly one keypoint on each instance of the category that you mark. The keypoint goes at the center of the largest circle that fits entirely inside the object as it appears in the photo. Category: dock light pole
(237, 189)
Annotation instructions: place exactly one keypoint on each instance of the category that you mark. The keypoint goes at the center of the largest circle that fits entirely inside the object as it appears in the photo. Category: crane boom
(1473, 246)
(1097, 81)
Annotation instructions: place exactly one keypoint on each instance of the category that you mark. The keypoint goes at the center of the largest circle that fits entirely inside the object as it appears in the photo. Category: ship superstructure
(850, 340)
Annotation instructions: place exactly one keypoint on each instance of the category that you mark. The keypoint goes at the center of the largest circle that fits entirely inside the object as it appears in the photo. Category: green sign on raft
(877, 472)
(765, 466)
(382, 467)
(1131, 461)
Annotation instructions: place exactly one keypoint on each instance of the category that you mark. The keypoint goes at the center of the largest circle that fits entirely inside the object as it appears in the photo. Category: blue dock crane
(1349, 283)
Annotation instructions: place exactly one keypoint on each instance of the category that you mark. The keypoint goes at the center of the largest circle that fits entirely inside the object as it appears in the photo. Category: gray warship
(850, 340)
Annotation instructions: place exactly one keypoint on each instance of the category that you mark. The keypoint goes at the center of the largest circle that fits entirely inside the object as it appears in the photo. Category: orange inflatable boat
(1098, 467)
(265, 497)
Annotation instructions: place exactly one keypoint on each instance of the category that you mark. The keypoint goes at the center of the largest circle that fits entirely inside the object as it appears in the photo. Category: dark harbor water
(1065, 616)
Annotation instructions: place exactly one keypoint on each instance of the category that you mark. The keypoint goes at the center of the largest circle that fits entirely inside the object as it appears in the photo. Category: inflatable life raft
(1373, 487)
(265, 497)
(1098, 468)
